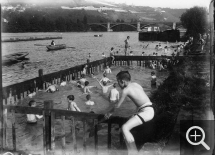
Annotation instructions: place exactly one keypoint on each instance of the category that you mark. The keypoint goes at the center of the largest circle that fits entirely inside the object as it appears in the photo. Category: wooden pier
(29, 39)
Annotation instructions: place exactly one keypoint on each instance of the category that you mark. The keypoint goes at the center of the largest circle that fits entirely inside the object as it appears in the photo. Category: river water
(83, 43)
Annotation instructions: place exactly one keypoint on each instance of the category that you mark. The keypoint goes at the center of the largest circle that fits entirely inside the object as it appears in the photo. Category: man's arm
(76, 107)
(99, 82)
(124, 94)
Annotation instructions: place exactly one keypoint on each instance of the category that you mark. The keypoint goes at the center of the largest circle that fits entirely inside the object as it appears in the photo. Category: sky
(151, 3)
(166, 3)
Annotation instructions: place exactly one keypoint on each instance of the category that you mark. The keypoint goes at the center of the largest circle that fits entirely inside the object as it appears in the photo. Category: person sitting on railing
(71, 104)
(32, 118)
(52, 88)
(89, 103)
(87, 88)
(107, 70)
(104, 86)
(145, 111)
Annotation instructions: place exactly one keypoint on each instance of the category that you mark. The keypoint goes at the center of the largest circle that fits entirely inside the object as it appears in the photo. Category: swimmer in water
(104, 86)
(114, 94)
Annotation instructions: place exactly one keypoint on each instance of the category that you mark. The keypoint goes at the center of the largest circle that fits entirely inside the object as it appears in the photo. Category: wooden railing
(49, 117)
(20, 90)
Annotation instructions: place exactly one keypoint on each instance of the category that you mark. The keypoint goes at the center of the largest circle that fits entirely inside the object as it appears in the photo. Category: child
(84, 71)
(63, 82)
(79, 85)
(103, 55)
(105, 78)
(104, 86)
(131, 53)
(32, 93)
(32, 118)
(71, 104)
(153, 80)
(83, 79)
(52, 88)
(114, 94)
(107, 70)
(87, 88)
(145, 112)
(73, 80)
(89, 103)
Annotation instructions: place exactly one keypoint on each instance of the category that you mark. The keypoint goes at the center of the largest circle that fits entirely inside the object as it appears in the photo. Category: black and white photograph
(107, 77)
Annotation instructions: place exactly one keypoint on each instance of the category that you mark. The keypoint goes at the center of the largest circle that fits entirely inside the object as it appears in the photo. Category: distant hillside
(74, 16)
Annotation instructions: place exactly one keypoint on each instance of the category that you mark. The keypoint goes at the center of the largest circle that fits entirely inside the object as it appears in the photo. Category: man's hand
(107, 116)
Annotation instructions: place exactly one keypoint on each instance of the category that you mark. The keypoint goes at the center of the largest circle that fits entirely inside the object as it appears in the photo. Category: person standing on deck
(127, 45)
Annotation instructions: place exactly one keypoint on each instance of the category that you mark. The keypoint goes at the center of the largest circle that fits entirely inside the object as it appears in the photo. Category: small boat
(56, 47)
(98, 35)
(13, 58)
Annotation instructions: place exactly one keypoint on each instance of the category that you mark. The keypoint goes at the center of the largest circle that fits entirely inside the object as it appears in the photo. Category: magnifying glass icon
(197, 135)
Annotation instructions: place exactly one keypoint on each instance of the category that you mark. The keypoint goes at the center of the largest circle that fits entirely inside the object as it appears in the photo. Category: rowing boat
(98, 35)
(15, 57)
(56, 47)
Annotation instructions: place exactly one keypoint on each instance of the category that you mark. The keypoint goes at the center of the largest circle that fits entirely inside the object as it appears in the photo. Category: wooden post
(73, 135)
(48, 105)
(13, 130)
(40, 72)
(84, 138)
(63, 139)
(52, 131)
(109, 135)
(96, 137)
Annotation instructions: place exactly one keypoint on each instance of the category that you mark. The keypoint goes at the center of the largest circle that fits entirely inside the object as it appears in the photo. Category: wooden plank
(109, 135)
(63, 139)
(84, 138)
(44, 134)
(96, 137)
(13, 130)
(52, 131)
(74, 135)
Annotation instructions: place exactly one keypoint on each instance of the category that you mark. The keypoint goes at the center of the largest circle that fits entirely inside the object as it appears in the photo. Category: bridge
(138, 26)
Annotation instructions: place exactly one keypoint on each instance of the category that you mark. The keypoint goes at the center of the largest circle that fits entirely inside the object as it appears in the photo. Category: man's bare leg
(129, 139)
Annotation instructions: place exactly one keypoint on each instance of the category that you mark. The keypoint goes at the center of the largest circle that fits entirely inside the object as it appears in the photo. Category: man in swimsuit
(145, 112)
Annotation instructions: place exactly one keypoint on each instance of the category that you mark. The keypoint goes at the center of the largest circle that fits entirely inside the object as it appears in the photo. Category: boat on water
(13, 58)
(98, 35)
(56, 47)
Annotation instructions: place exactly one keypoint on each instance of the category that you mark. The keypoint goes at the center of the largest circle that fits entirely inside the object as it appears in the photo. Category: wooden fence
(50, 115)
(19, 91)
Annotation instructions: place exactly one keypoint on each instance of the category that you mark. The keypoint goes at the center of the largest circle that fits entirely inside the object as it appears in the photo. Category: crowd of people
(133, 90)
